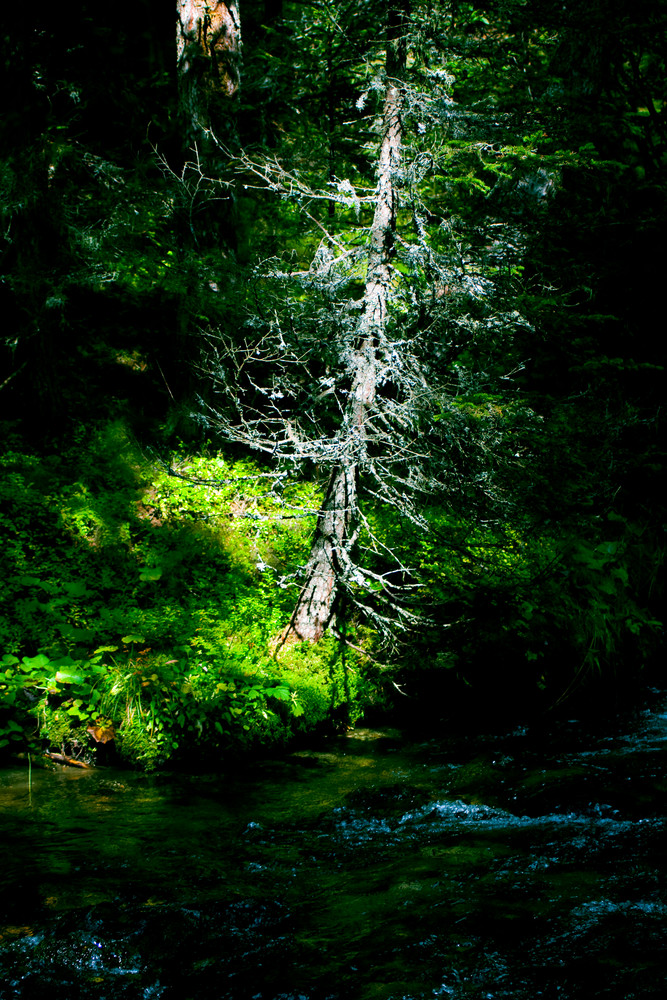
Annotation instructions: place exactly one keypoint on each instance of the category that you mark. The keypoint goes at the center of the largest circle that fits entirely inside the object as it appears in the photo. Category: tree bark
(330, 564)
(328, 557)
(208, 48)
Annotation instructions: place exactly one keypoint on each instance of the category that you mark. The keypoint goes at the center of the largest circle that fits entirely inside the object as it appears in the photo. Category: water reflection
(523, 865)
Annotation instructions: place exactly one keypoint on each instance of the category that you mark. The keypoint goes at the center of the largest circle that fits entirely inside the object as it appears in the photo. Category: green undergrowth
(528, 617)
(132, 705)
(141, 599)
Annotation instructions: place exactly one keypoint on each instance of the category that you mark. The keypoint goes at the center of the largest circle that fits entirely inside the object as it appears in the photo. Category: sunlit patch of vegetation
(151, 600)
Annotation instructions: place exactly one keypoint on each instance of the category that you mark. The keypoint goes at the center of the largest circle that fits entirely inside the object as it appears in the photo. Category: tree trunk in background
(330, 563)
(208, 46)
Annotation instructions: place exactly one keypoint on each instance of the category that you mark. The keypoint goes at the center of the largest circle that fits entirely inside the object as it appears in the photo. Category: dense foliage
(170, 308)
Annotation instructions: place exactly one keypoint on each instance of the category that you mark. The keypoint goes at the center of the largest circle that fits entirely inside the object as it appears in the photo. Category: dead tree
(337, 524)
(365, 389)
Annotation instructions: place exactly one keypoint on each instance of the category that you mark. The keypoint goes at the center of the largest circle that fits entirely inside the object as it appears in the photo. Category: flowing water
(374, 867)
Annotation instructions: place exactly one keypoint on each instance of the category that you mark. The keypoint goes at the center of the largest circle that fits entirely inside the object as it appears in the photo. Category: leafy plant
(29, 685)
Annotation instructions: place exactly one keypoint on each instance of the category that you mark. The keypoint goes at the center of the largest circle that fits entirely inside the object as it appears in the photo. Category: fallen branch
(60, 758)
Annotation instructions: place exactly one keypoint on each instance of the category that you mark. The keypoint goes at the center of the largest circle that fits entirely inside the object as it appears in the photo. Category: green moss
(138, 747)
(56, 728)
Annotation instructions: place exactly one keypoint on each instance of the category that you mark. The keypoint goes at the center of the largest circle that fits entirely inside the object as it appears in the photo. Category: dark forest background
(149, 560)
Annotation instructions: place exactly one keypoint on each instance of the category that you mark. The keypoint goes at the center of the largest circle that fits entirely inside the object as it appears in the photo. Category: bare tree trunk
(208, 47)
(328, 557)
(330, 563)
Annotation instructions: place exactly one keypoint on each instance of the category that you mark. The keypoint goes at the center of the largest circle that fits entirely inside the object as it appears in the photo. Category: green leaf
(128, 639)
(69, 677)
(35, 662)
(150, 575)
(76, 711)
(282, 693)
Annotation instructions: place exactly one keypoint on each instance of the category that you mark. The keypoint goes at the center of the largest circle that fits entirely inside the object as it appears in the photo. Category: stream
(372, 866)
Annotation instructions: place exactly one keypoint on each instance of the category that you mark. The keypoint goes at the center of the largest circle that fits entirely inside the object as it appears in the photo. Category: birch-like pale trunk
(330, 562)
(208, 47)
